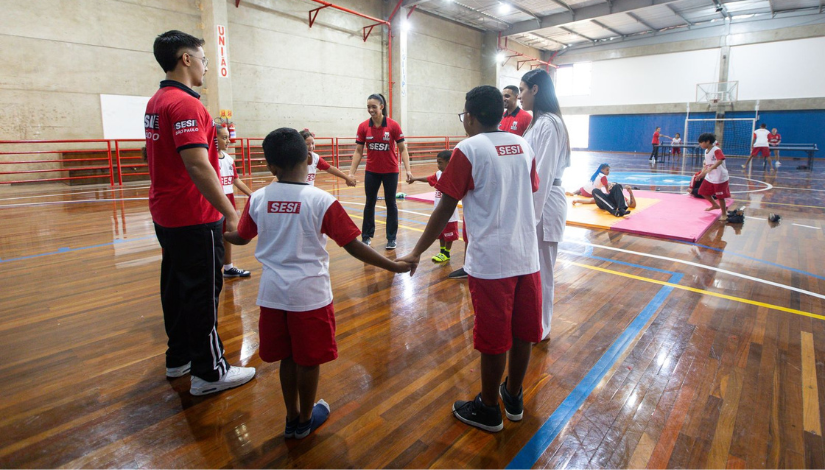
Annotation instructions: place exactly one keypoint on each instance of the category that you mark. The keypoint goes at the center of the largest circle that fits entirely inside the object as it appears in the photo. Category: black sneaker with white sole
(236, 272)
(513, 406)
(459, 273)
(391, 245)
(476, 413)
(367, 241)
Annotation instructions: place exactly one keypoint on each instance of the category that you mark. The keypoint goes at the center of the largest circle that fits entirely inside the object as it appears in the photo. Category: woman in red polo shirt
(380, 135)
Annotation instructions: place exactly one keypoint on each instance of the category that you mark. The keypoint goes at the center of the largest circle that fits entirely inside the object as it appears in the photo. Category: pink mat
(675, 216)
(423, 197)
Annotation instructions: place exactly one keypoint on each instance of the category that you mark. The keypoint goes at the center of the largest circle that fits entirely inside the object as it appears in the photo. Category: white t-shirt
(292, 222)
(432, 180)
(720, 174)
(676, 141)
(228, 172)
(494, 175)
(599, 183)
(318, 163)
(760, 137)
(549, 143)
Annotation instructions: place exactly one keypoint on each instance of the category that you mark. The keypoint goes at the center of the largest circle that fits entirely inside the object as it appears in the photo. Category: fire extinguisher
(232, 135)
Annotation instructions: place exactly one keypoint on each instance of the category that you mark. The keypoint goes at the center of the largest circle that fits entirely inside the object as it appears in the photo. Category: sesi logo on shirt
(281, 207)
(227, 180)
(509, 149)
(378, 147)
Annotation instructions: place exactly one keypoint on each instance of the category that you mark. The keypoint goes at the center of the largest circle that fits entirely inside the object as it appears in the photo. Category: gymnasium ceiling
(552, 25)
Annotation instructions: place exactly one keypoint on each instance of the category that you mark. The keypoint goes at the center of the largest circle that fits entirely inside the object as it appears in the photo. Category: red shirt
(176, 120)
(773, 139)
(379, 143)
(655, 137)
(515, 122)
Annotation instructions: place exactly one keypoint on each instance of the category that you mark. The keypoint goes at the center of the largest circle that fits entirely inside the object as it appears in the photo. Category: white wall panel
(779, 70)
(661, 78)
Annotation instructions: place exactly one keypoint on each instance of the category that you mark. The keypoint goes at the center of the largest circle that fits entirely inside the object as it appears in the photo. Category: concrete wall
(60, 56)
(287, 74)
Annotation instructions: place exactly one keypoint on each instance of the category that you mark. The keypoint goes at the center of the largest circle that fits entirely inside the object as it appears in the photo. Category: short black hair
(485, 104)
(168, 46)
(763, 125)
(707, 137)
(512, 87)
(445, 155)
(285, 148)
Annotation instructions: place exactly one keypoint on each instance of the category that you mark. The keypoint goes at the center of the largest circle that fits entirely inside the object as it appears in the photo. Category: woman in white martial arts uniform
(548, 137)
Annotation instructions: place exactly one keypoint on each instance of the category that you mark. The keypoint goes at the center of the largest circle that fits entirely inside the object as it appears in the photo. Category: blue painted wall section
(633, 132)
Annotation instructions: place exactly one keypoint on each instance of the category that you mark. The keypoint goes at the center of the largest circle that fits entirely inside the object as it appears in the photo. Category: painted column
(217, 87)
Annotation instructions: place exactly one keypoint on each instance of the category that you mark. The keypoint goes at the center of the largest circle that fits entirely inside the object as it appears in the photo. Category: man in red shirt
(186, 201)
(515, 120)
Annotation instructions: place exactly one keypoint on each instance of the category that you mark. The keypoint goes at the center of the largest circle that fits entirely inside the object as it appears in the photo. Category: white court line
(698, 265)
(754, 218)
(384, 207)
(808, 226)
(73, 193)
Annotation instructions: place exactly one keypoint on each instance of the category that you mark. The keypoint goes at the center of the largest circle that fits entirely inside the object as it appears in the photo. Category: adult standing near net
(186, 201)
(549, 139)
(760, 144)
(383, 140)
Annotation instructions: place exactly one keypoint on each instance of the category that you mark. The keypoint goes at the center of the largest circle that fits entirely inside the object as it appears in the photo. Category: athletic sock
(446, 252)
(227, 266)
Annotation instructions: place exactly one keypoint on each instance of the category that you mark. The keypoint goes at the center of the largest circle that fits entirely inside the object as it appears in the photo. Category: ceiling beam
(721, 8)
(680, 15)
(773, 10)
(584, 13)
(643, 22)
(576, 34)
(604, 26)
(545, 38)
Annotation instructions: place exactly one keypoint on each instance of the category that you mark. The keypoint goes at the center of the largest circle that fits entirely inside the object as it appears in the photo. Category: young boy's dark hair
(168, 45)
(707, 137)
(485, 104)
(444, 155)
(763, 126)
(285, 148)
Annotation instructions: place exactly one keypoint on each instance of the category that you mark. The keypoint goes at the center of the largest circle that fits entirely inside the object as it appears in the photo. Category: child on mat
(450, 232)
(494, 174)
(715, 175)
(612, 200)
(597, 181)
(315, 162)
(229, 180)
(292, 220)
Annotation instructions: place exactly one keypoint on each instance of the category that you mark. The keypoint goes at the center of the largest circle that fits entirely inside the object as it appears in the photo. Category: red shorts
(231, 198)
(721, 190)
(583, 192)
(505, 308)
(450, 232)
(677, 151)
(309, 337)
(765, 151)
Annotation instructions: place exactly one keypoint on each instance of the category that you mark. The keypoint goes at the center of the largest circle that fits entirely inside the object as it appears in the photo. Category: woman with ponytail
(383, 140)
(548, 137)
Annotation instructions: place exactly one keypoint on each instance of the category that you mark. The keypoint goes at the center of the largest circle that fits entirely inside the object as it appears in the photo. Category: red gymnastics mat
(661, 215)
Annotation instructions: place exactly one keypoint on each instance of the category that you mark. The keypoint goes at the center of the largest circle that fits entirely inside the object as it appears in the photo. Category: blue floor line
(541, 440)
(70, 250)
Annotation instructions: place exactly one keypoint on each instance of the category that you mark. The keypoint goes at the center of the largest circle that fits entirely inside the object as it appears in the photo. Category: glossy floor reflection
(727, 370)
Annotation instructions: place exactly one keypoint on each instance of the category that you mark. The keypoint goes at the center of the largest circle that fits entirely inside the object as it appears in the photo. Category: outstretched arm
(438, 220)
(364, 253)
(336, 172)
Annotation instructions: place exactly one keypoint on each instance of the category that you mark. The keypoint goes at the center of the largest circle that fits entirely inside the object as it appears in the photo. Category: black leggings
(612, 202)
(655, 153)
(372, 182)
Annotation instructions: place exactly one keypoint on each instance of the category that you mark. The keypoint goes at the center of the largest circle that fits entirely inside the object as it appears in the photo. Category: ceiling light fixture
(504, 8)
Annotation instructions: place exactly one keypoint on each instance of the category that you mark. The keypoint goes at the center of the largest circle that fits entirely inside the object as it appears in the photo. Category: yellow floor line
(702, 291)
(664, 283)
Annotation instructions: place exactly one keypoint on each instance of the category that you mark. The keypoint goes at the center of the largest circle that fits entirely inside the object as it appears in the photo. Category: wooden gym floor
(663, 354)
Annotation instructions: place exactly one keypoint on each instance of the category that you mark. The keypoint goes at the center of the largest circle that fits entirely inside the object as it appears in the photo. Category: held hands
(409, 177)
(351, 181)
(410, 259)
(403, 267)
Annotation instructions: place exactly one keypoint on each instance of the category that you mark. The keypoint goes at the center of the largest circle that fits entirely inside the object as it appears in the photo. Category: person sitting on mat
(612, 200)
(597, 181)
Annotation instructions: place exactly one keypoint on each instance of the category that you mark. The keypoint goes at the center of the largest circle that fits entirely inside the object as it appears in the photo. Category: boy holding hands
(297, 323)
(494, 174)
(450, 232)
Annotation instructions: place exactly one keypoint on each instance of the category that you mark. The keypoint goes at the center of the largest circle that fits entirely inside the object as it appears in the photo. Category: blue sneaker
(291, 427)
(320, 413)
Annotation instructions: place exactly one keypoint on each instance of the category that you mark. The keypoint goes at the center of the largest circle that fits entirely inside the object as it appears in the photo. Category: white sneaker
(175, 372)
(235, 377)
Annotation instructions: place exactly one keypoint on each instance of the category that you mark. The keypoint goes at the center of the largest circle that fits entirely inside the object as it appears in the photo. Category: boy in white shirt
(715, 175)
(450, 232)
(494, 174)
(760, 145)
(229, 181)
(292, 220)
